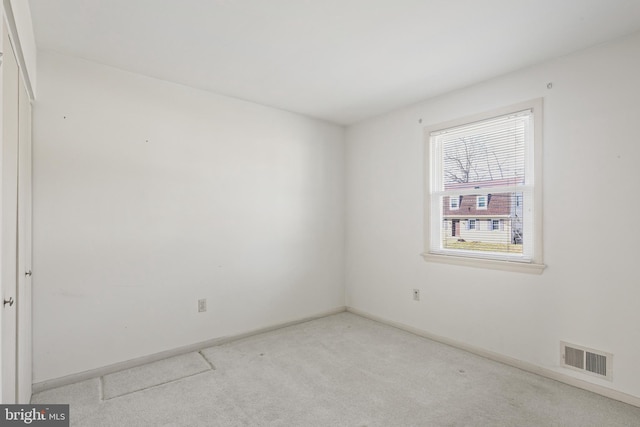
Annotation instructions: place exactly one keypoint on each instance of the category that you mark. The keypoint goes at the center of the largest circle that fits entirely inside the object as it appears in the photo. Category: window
(481, 202)
(493, 159)
(454, 202)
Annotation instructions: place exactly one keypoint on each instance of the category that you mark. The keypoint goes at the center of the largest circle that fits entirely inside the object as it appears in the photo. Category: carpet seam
(158, 385)
(213, 368)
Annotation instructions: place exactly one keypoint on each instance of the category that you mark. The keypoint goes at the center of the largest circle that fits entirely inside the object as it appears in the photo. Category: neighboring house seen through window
(484, 171)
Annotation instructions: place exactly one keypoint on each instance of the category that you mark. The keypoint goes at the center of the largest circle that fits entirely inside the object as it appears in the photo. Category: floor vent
(586, 360)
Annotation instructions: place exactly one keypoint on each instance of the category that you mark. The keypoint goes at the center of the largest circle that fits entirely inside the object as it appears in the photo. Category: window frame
(535, 263)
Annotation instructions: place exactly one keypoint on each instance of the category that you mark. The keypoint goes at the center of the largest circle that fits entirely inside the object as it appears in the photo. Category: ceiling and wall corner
(341, 61)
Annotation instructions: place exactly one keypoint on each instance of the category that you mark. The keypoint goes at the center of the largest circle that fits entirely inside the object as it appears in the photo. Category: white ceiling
(338, 60)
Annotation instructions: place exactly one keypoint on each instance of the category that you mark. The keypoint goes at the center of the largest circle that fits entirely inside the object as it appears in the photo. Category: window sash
(522, 174)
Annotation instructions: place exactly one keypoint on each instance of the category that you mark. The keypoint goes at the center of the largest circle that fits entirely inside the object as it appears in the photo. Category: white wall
(589, 293)
(150, 195)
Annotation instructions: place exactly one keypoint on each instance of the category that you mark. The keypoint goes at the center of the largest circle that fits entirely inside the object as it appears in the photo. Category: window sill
(519, 267)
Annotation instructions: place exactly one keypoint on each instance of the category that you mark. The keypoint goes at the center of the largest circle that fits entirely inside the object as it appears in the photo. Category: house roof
(498, 204)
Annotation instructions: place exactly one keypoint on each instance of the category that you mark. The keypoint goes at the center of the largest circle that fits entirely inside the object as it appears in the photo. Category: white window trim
(536, 265)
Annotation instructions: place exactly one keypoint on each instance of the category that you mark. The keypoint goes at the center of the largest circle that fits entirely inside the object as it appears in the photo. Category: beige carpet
(153, 374)
(342, 370)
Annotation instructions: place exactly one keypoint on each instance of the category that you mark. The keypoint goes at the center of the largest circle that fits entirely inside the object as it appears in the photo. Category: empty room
(320, 213)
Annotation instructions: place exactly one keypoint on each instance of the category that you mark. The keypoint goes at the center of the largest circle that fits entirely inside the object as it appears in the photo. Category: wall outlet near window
(416, 294)
(202, 305)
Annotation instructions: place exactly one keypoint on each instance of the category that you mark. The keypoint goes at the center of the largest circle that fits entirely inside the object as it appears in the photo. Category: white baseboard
(105, 370)
(525, 366)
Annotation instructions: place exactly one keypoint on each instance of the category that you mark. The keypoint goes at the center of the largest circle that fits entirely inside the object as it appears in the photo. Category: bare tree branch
(498, 164)
(463, 162)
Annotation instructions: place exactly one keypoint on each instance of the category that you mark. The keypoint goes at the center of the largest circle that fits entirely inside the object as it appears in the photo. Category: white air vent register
(586, 360)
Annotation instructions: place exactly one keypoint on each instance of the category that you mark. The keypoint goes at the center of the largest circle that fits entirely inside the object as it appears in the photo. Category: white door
(8, 230)
(24, 248)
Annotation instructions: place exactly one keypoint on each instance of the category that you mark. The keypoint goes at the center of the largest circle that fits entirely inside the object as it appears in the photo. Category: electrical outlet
(202, 305)
(416, 294)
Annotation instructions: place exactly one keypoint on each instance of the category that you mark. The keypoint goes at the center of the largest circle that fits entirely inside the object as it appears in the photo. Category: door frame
(9, 72)
(15, 221)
